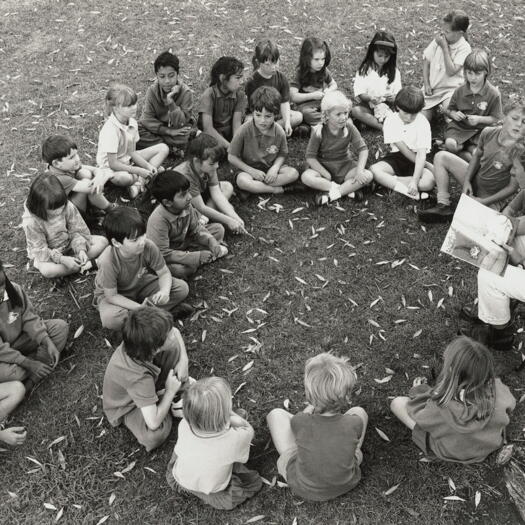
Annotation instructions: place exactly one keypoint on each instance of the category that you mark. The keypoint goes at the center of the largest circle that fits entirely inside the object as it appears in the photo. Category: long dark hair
(46, 193)
(13, 295)
(386, 41)
(308, 48)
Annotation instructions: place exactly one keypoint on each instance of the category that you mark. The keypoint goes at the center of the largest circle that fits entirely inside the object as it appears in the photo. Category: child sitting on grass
(117, 142)
(167, 112)
(320, 448)
(151, 359)
(59, 242)
(488, 177)
(258, 150)
(405, 169)
(175, 228)
(123, 281)
(209, 195)
(463, 418)
(83, 184)
(331, 150)
(223, 103)
(212, 446)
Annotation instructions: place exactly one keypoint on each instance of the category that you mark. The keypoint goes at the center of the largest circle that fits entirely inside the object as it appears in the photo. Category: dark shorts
(399, 163)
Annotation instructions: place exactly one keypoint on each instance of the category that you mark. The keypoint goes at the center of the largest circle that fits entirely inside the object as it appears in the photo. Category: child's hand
(173, 93)
(419, 381)
(271, 175)
(235, 226)
(390, 99)
(180, 132)
(467, 188)
(309, 409)
(13, 436)
(326, 175)
(142, 172)
(82, 257)
(205, 257)
(428, 91)
(412, 187)
(216, 251)
(258, 175)
(172, 384)
(70, 263)
(159, 298)
(441, 41)
(288, 129)
(473, 120)
(317, 95)
(361, 176)
(53, 352)
(458, 116)
(37, 370)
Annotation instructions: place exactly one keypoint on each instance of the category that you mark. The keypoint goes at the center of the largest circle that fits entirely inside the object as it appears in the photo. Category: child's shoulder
(492, 89)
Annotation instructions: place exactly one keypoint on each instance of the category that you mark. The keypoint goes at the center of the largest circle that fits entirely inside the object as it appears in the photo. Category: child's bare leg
(446, 163)
(313, 179)
(11, 395)
(247, 183)
(123, 178)
(384, 174)
(84, 173)
(366, 116)
(350, 185)
(279, 423)
(227, 191)
(428, 114)
(467, 153)
(361, 413)
(79, 200)
(398, 406)
(296, 117)
(97, 200)
(98, 245)
(156, 154)
(286, 175)
(51, 270)
(452, 146)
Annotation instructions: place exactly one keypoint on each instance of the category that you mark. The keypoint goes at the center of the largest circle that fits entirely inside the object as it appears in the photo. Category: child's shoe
(224, 252)
(401, 188)
(322, 199)
(439, 213)
(335, 192)
(295, 187)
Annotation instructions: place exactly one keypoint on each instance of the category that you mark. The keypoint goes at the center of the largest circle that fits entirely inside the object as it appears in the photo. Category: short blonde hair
(334, 99)
(328, 382)
(207, 404)
(119, 95)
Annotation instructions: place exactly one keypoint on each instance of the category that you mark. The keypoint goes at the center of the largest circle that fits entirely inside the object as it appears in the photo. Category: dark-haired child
(167, 110)
(265, 65)
(473, 106)
(312, 79)
(377, 81)
(124, 281)
(175, 228)
(209, 195)
(152, 358)
(407, 131)
(223, 103)
(83, 184)
(259, 149)
(59, 242)
(30, 348)
(443, 62)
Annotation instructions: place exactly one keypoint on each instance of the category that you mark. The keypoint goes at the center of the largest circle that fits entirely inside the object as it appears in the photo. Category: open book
(478, 235)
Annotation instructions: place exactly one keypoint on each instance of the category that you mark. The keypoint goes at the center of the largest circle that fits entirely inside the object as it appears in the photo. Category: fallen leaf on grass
(12, 494)
(36, 462)
(238, 388)
(61, 460)
(382, 435)
(60, 513)
(282, 485)
(417, 334)
(131, 466)
(102, 520)
(112, 499)
(384, 380)
(247, 366)
(269, 483)
(203, 336)
(452, 485)
(302, 323)
(453, 498)
(49, 506)
(477, 499)
(255, 519)
(302, 281)
(374, 323)
(286, 404)
(150, 470)
(79, 331)
(391, 490)
(56, 441)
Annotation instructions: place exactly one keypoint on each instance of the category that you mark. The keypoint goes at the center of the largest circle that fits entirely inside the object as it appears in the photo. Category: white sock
(401, 188)
(351, 195)
(335, 191)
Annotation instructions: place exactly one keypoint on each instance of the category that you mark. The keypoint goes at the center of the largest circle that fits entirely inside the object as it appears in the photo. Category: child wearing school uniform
(443, 62)
(408, 133)
(331, 151)
(175, 228)
(474, 106)
(223, 104)
(124, 281)
(167, 111)
(151, 359)
(259, 148)
(83, 184)
(463, 417)
(59, 242)
(265, 65)
(212, 446)
(320, 448)
(210, 197)
(489, 176)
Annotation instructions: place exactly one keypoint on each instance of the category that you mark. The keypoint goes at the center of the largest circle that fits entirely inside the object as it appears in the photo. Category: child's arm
(113, 297)
(361, 163)
(202, 236)
(297, 97)
(317, 166)
(207, 127)
(426, 77)
(450, 67)
(237, 421)
(154, 415)
(472, 169)
(78, 231)
(509, 190)
(273, 172)
(117, 165)
(165, 280)
(238, 163)
(140, 161)
(478, 120)
(236, 124)
(419, 165)
(516, 205)
(312, 150)
(180, 112)
(225, 212)
(285, 114)
(181, 368)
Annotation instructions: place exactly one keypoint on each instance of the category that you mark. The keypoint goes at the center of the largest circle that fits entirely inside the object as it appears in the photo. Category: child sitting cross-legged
(258, 150)
(405, 169)
(463, 417)
(175, 228)
(124, 281)
(212, 446)
(151, 360)
(320, 448)
(333, 169)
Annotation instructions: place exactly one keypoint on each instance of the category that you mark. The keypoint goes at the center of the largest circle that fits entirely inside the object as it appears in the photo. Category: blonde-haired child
(320, 448)
(212, 445)
(330, 153)
(117, 142)
(464, 416)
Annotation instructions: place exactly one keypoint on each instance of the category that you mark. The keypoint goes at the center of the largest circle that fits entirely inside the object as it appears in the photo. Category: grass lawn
(363, 279)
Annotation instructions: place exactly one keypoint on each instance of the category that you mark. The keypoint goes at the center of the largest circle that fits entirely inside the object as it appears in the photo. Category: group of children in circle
(142, 269)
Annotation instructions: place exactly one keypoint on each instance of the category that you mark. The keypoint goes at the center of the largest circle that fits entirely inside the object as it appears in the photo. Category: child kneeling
(320, 448)
(330, 153)
(212, 446)
(463, 418)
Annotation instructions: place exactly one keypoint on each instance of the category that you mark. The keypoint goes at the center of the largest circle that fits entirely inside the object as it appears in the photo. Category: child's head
(335, 107)
(467, 376)
(455, 25)
(227, 73)
(7, 288)
(205, 152)
(121, 100)
(166, 67)
(207, 405)
(61, 152)
(381, 55)
(328, 382)
(266, 104)
(409, 102)
(47, 197)
(477, 67)
(125, 230)
(514, 119)
(314, 56)
(146, 331)
(172, 190)
(266, 57)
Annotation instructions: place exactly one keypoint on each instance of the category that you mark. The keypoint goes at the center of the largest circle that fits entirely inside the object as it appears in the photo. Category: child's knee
(17, 391)
(296, 117)
(368, 176)
(398, 404)
(291, 173)
(163, 149)
(153, 439)
(275, 415)
(179, 289)
(227, 189)
(244, 180)
(84, 173)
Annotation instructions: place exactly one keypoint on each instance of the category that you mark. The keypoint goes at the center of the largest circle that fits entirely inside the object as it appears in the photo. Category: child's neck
(334, 129)
(122, 119)
(224, 90)
(264, 76)
(477, 89)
